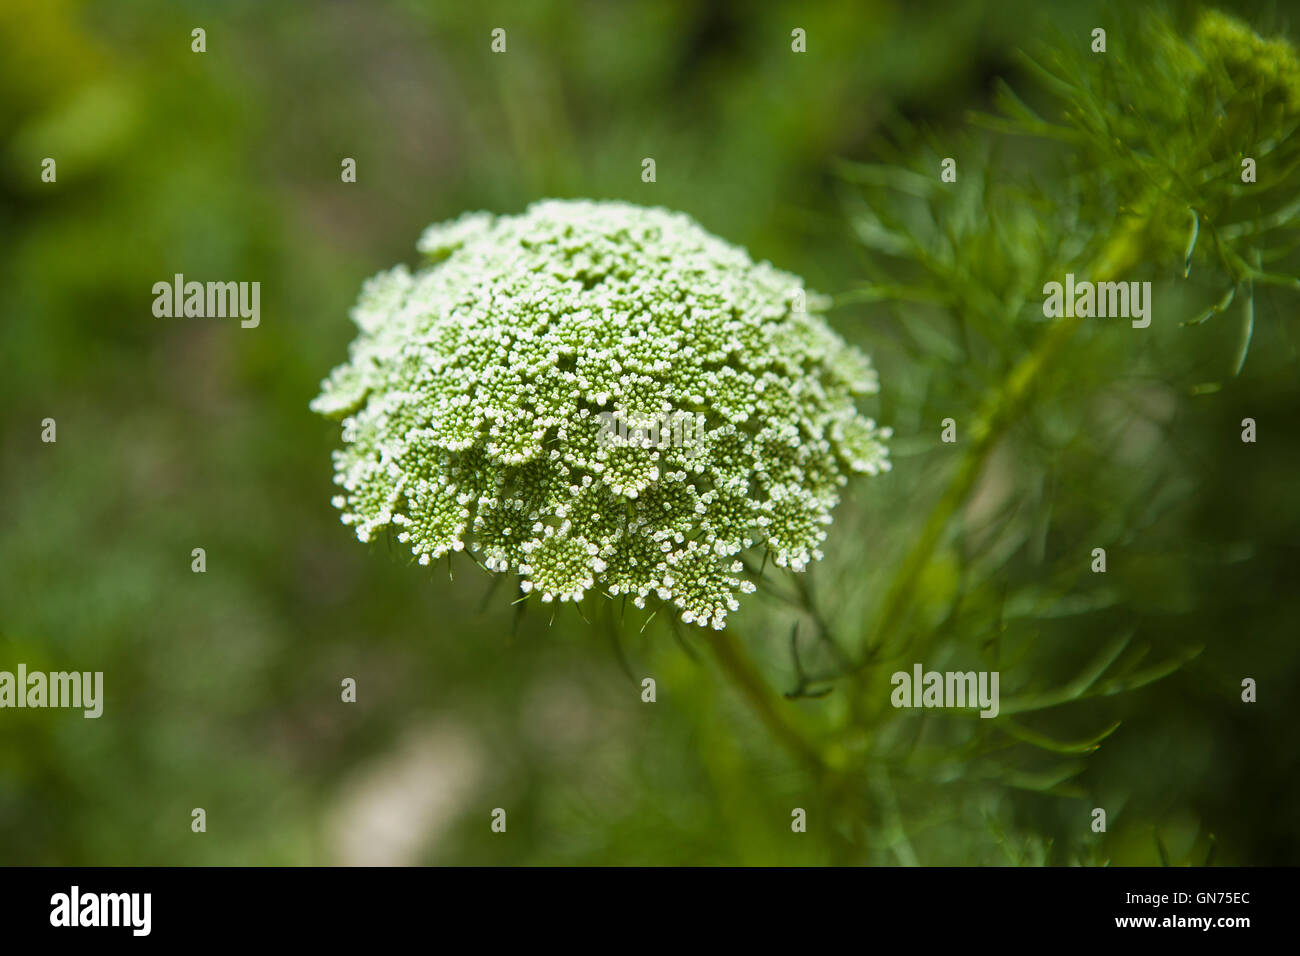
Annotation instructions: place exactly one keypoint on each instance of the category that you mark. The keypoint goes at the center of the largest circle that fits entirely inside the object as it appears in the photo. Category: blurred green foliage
(223, 688)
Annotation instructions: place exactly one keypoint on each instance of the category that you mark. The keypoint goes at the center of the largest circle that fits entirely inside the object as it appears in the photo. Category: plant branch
(765, 702)
(1000, 411)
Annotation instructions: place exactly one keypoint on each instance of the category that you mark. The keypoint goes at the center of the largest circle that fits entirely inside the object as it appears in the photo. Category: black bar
(927, 904)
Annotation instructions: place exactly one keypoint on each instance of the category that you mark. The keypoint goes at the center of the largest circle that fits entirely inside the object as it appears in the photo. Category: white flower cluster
(472, 398)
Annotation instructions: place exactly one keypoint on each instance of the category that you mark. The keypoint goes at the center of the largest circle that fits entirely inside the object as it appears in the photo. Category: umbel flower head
(478, 399)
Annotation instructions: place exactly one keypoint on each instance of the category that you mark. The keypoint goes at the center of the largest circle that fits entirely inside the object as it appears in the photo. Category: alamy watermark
(665, 430)
(1127, 300)
(923, 688)
(75, 689)
(75, 908)
(208, 300)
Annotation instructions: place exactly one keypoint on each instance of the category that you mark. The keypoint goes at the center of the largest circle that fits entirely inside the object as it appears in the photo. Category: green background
(222, 689)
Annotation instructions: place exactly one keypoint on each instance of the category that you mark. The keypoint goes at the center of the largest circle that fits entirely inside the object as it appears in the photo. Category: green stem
(997, 415)
(995, 418)
(763, 700)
